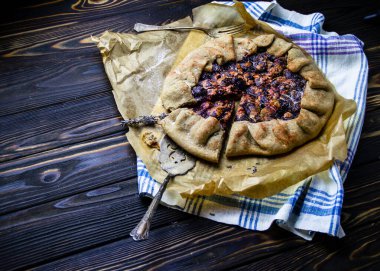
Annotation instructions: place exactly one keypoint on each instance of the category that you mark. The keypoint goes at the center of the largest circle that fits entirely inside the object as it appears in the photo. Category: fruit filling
(221, 110)
(261, 82)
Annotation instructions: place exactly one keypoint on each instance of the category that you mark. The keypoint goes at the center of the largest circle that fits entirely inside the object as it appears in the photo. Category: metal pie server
(174, 161)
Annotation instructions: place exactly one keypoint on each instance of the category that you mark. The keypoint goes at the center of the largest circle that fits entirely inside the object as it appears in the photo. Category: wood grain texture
(49, 65)
(64, 171)
(193, 244)
(361, 199)
(211, 249)
(74, 223)
(58, 125)
(373, 98)
(207, 245)
(29, 15)
(359, 251)
(343, 17)
(41, 83)
(369, 145)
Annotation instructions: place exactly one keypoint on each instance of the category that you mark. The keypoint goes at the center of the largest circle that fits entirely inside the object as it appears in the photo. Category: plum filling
(265, 87)
(221, 110)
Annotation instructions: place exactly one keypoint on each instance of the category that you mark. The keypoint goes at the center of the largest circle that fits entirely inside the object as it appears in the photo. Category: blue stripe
(313, 199)
(323, 203)
(268, 18)
(258, 214)
(187, 210)
(339, 204)
(354, 134)
(273, 202)
(305, 208)
(249, 210)
(361, 103)
(195, 205)
(201, 205)
(332, 223)
(244, 202)
(312, 22)
(310, 209)
(259, 7)
(252, 213)
(322, 192)
(149, 184)
(251, 9)
(186, 202)
(287, 22)
(270, 210)
(306, 36)
(153, 184)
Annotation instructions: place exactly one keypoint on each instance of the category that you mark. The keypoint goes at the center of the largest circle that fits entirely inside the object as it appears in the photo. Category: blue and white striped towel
(315, 204)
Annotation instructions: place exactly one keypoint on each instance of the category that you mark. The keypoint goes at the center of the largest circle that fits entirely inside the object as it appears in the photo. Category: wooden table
(68, 175)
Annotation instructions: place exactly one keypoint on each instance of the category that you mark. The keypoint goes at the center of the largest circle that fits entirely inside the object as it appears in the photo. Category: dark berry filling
(221, 110)
(265, 87)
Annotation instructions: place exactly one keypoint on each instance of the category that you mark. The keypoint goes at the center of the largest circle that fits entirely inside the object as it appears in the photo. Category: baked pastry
(282, 99)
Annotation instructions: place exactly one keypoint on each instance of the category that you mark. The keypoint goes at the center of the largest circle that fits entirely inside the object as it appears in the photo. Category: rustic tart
(262, 95)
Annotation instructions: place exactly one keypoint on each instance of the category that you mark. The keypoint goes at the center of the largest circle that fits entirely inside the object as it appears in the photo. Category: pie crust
(203, 137)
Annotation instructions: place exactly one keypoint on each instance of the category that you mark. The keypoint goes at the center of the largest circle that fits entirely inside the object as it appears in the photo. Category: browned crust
(203, 137)
(280, 136)
(244, 47)
(176, 91)
(297, 59)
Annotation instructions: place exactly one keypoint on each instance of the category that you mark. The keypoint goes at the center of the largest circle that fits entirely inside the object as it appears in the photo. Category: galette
(256, 96)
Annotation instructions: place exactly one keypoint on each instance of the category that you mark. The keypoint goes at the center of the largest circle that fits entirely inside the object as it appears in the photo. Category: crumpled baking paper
(136, 66)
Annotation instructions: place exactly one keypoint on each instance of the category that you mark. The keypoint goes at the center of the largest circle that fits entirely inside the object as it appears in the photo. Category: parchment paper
(137, 65)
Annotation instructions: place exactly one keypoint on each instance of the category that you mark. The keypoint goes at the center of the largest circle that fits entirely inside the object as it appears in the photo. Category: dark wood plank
(343, 17)
(211, 246)
(373, 55)
(368, 150)
(23, 16)
(58, 125)
(69, 225)
(36, 84)
(196, 244)
(373, 98)
(74, 223)
(369, 144)
(51, 65)
(219, 247)
(73, 33)
(31, 15)
(65, 171)
(358, 251)
(361, 200)
(63, 38)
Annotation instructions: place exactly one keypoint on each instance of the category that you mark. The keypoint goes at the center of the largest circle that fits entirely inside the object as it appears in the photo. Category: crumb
(151, 140)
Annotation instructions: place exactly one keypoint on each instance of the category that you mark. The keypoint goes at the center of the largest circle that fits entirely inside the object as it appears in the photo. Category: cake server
(174, 161)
